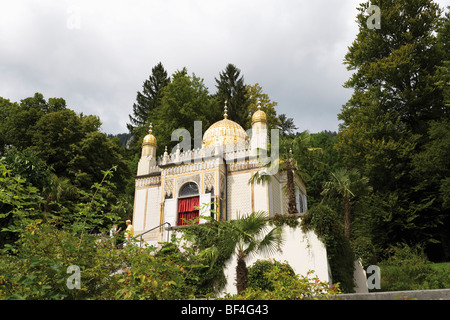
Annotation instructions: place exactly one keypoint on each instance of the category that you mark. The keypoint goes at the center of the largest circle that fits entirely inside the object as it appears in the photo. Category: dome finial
(149, 139)
(225, 115)
(259, 115)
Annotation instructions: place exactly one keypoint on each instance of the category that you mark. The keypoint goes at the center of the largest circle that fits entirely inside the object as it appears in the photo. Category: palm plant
(246, 235)
(250, 236)
(286, 162)
(347, 183)
(59, 189)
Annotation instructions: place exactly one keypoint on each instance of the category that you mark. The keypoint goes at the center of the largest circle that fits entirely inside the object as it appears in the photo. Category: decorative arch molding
(189, 189)
(183, 180)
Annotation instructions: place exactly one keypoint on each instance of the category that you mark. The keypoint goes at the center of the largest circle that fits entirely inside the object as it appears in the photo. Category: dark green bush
(407, 268)
(325, 223)
(257, 278)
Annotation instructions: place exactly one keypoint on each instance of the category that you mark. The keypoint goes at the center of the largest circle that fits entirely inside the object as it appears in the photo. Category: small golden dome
(149, 139)
(226, 131)
(259, 115)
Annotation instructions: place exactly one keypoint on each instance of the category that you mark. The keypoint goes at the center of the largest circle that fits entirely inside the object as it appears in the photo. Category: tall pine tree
(386, 120)
(398, 61)
(150, 97)
(231, 88)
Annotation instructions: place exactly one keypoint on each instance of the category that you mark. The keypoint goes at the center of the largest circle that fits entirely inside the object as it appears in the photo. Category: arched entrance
(188, 199)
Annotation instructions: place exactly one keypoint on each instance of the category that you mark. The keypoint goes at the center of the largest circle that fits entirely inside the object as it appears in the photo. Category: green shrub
(365, 250)
(286, 286)
(257, 273)
(407, 268)
(325, 223)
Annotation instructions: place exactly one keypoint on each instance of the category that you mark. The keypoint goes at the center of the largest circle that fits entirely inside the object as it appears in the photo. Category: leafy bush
(325, 223)
(365, 250)
(37, 269)
(257, 278)
(34, 264)
(407, 268)
(148, 277)
(288, 287)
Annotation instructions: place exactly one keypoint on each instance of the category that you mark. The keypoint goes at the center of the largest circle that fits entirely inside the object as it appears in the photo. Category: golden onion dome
(226, 131)
(259, 115)
(149, 140)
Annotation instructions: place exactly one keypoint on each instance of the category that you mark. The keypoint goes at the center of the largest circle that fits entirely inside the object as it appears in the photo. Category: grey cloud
(293, 49)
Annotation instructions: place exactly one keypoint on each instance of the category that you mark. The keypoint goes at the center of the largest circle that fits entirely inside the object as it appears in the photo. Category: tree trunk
(241, 273)
(347, 216)
(292, 204)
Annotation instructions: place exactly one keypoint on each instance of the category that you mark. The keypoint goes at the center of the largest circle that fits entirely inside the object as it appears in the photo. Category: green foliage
(316, 156)
(210, 238)
(286, 125)
(348, 184)
(280, 220)
(69, 143)
(255, 94)
(365, 250)
(328, 227)
(399, 60)
(257, 273)
(290, 287)
(220, 239)
(151, 277)
(34, 264)
(407, 268)
(28, 166)
(389, 132)
(19, 204)
(38, 269)
(184, 101)
(150, 97)
(61, 153)
(231, 88)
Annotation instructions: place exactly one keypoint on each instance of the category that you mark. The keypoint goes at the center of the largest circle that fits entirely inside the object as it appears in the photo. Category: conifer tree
(150, 97)
(231, 88)
(386, 121)
(396, 64)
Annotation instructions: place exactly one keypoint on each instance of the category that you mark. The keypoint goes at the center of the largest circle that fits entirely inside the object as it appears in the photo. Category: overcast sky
(96, 54)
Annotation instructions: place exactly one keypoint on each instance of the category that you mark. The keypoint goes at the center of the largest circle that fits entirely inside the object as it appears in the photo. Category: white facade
(219, 172)
(216, 176)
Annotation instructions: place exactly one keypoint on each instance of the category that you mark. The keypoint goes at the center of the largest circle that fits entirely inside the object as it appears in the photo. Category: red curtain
(187, 211)
(188, 204)
(186, 218)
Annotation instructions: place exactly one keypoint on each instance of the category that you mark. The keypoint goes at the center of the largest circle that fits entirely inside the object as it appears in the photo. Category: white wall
(303, 252)
(139, 209)
(153, 208)
(360, 278)
(260, 200)
(239, 195)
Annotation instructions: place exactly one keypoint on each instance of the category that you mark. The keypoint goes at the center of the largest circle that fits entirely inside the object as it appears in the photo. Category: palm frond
(272, 241)
(260, 177)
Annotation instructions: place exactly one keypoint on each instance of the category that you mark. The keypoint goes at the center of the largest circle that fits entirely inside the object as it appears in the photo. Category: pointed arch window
(188, 201)
(188, 190)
